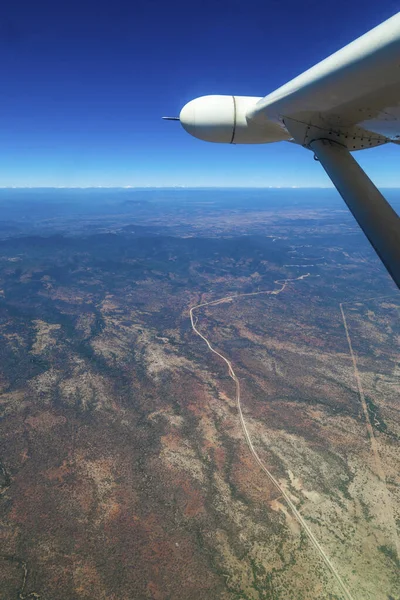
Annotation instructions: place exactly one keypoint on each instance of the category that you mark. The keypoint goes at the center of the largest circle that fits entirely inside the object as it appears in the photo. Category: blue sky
(84, 86)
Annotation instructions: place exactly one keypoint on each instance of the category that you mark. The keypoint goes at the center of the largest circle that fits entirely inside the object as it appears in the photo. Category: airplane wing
(349, 101)
(353, 96)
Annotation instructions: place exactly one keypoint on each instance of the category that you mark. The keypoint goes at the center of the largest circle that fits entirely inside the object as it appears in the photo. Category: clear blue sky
(84, 85)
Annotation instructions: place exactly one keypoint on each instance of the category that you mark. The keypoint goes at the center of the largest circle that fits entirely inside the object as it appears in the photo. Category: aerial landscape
(199, 397)
(199, 300)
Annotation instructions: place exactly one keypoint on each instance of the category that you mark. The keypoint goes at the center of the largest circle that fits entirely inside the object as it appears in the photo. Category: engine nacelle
(223, 119)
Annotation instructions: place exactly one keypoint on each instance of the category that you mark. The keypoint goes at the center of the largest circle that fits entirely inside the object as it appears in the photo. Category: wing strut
(372, 212)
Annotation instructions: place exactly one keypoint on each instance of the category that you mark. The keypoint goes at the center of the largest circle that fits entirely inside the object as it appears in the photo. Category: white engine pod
(223, 119)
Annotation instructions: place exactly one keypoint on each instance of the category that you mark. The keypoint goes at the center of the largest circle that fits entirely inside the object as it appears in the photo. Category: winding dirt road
(297, 515)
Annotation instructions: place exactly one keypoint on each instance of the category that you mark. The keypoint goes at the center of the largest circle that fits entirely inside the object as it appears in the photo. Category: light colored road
(297, 515)
(379, 470)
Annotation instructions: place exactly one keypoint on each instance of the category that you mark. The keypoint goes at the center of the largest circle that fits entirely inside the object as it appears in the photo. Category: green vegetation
(375, 417)
(390, 553)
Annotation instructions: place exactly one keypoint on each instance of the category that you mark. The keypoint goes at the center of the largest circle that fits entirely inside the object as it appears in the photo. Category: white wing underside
(352, 97)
